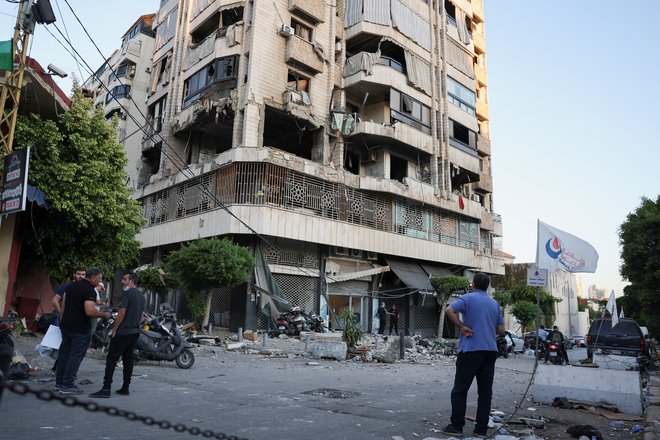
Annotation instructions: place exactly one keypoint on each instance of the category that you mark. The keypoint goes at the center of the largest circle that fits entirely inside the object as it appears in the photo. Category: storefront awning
(416, 275)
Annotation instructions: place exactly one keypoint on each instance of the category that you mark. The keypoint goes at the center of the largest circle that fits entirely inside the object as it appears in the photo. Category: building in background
(595, 292)
(347, 143)
(120, 86)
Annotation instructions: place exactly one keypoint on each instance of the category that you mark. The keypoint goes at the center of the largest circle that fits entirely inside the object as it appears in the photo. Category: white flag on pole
(556, 249)
(611, 307)
(621, 315)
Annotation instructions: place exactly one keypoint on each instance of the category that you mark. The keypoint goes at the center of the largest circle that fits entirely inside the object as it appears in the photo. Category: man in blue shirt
(477, 352)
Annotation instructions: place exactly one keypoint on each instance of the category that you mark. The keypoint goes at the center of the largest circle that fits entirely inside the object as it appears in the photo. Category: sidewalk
(652, 413)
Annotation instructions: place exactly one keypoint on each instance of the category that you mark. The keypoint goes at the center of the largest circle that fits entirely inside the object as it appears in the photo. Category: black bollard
(401, 351)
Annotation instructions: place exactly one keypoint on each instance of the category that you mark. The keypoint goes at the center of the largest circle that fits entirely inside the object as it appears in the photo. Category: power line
(183, 169)
(67, 34)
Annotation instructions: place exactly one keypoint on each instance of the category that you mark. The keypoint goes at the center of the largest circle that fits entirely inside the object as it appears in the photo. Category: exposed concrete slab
(330, 349)
(615, 362)
(597, 385)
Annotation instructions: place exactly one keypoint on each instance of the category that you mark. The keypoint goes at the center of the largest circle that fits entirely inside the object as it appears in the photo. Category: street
(262, 397)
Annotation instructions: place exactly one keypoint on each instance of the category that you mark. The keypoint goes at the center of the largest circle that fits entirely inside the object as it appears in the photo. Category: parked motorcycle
(101, 336)
(295, 321)
(6, 346)
(163, 341)
(502, 348)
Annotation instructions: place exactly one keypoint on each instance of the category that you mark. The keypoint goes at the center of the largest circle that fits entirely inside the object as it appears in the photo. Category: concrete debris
(235, 345)
(533, 423)
(250, 335)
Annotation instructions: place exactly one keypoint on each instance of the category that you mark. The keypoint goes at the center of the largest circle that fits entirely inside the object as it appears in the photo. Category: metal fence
(248, 183)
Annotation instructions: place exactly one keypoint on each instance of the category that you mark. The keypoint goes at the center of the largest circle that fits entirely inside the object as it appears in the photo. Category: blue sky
(574, 101)
(573, 98)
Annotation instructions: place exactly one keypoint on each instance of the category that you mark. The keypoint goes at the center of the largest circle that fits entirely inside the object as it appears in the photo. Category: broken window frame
(302, 30)
(214, 72)
(121, 91)
(418, 116)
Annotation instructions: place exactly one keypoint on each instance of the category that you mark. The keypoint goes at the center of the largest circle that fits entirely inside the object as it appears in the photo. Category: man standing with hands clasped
(477, 352)
(124, 335)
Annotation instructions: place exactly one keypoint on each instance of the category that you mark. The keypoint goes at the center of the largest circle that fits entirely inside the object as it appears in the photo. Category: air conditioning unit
(286, 31)
(341, 251)
(356, 253)
(476, 198)
(131, 71)
(338, 46)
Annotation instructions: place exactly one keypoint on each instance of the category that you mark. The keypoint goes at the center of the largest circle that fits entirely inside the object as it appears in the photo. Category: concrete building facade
(346, 141)
(120, 86)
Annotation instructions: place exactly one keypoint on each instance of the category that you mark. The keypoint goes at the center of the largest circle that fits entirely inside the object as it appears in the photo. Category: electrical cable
(184, 169)
(67, 34)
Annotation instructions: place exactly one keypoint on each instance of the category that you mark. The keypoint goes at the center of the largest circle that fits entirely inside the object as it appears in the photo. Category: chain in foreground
(71, 401)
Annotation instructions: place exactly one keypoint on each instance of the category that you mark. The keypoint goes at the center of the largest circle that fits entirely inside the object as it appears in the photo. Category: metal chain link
(71, 401)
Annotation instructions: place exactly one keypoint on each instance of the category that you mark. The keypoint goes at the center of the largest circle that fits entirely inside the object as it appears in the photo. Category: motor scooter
(502, 348)
(163, 341)
(101, 336)
(555, 355)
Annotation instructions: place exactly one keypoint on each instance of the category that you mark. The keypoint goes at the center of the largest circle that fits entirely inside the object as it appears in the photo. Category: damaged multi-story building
(345, 141)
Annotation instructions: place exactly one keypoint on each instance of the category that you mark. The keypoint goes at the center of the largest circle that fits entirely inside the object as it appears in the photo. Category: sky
(573, 95)
(573, 99)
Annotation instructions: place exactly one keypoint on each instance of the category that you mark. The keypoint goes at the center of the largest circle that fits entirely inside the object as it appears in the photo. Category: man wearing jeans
(477, 352)
(77, 308)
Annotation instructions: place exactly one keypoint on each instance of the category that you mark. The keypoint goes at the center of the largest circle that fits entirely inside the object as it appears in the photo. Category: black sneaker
(102, 393)
(452, 430)
(481, 433)
(122, 391)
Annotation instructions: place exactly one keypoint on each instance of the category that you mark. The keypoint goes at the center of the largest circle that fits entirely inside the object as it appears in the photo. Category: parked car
(579, 341)
(626, 338)
(513, 342)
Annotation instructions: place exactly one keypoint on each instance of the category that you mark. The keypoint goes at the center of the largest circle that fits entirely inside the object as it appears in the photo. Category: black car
(625, 338)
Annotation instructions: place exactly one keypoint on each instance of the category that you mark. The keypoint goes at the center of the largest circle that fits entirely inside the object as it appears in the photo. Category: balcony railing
(278, 187)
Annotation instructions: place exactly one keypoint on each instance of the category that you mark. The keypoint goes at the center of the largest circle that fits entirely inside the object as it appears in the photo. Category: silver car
(513, 342)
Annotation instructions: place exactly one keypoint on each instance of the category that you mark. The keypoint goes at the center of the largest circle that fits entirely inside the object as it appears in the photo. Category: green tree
(205, 264)
(524, 312)
(502, 298)
(352, 331)
(639, 237)
(445, 287)
(514, 285)
(79, 165)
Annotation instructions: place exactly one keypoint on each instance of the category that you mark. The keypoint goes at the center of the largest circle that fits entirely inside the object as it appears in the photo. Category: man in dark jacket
(124, 335)
(78, 304)
(382, 318)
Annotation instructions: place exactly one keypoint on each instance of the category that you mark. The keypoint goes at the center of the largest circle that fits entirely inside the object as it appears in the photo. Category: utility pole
(29, 13)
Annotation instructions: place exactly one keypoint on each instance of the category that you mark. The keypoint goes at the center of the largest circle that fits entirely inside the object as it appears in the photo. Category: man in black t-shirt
(382, 318)
(124, 335)
(78, 304)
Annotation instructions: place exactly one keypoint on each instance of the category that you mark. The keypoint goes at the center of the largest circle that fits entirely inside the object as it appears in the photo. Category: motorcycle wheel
(185, 359)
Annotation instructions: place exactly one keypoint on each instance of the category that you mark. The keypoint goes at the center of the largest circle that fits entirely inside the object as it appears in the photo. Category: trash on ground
(586, 430)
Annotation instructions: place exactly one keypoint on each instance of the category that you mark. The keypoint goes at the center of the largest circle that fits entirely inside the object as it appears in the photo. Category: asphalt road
(261, 397)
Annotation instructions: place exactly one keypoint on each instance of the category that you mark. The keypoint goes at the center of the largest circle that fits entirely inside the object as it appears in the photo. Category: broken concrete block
(615, 387)
(207, 341)
(250, 335)
(235, 345)
(330, 349)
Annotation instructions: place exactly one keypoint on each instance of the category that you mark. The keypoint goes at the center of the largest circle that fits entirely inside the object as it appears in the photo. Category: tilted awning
(416, 275)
